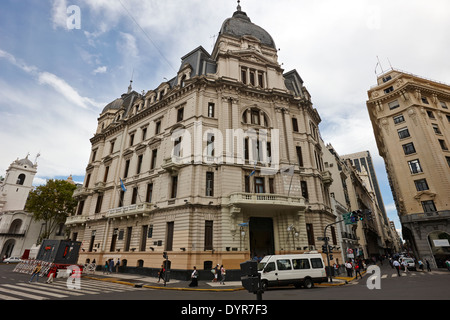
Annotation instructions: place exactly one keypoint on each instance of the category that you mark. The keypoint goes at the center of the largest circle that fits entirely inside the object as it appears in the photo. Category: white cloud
(59, 14)
(102, 69)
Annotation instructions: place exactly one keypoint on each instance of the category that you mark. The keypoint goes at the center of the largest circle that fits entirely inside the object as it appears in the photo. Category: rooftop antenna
(379, 63)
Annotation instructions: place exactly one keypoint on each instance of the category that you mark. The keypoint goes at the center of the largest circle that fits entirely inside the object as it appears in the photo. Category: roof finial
(130, 88)
(239, 5)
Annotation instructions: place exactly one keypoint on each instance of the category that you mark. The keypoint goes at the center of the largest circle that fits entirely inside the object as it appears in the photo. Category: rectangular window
(421, 185)
(210, 110)
(252, 77)
(399, 119)
(180, 114)
(177, 147)
(414, 166)
(127, 167)
(430, 114)
(409, 148)
(443, 144)
(260, 79)
(143, 238)
(310, 234)
(300, 264)
(255, 117)
(134, 195)
(98, 206)
(144, 134)
(294, 124)
(284, 264)
(139, 164)
(436, 128)
(209, 235)
(316, 263)
(111, 146)
(210, 184)
(403, 133)
(169, 236)
(131, 139)
(259, 185)
(424, 100)
(299, 156)
(247, 184)
(80, 208)
(304, 187)
(105, 177)
(157, 127)
(428, 206)
(154, 157)
(128, 239)
(390, 89)
(148, 196)
(443, 105)
(271, 185)
(121, 197)
(244, 75)
(174, 187)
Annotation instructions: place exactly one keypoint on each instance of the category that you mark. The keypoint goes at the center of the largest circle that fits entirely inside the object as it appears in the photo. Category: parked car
(12, 260)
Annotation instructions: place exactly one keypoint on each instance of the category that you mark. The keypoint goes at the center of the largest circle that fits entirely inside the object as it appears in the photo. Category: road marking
(51, 294)
(22, 294)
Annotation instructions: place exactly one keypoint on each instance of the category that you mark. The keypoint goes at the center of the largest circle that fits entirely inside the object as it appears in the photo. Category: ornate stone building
(411, 121)
(219, 164)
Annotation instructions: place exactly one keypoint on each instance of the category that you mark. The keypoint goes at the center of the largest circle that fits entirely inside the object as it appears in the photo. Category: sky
(62, 61)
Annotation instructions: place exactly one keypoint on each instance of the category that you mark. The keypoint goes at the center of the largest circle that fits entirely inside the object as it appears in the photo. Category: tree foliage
(51, 203)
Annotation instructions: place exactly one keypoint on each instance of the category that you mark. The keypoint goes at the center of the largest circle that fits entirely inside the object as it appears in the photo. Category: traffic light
(165, 255)
(356, 216)
(250, 277)
(368, 214)
(330, 249)
(324, 248)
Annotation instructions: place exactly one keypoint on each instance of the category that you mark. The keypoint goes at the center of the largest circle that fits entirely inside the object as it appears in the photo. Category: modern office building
(217, 165)
(411, 120)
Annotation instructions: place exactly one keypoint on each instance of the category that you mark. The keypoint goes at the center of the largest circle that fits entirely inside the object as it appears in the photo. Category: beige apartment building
(217, 165)
(411, 120)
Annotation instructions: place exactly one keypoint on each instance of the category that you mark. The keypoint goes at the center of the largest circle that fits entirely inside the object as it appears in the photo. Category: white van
(297, 269)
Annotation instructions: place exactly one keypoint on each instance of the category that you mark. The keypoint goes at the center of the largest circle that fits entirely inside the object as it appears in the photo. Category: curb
(163, 288)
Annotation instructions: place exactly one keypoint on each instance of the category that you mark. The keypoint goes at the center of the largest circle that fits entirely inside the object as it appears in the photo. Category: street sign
(323, 238)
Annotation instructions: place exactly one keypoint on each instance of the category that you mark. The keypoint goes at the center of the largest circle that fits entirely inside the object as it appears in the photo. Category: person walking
(396, 265)
(194, 278)
(216, 273)
(405, 265)
(358, 269)
(117, 265)
(51, 275)
(35, 273)
(349, 268)
(223, 274)
(161, 273)
(420, 265)
(428, 265)
(105, 267)
(447, 264)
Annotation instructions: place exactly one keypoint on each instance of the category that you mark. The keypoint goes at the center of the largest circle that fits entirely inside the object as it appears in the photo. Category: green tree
(51, 203)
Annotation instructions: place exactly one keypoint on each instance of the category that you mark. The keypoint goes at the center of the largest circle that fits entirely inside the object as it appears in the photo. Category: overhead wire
(146, 34)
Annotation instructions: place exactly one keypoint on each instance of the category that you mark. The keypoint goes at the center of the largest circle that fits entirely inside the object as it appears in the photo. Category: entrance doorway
(261, 237)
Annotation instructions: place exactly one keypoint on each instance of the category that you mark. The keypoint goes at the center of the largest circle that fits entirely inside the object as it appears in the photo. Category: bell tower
(17, 184)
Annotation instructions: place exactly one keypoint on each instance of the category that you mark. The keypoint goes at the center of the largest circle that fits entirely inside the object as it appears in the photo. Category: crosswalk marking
(45, 292)
(58, 289)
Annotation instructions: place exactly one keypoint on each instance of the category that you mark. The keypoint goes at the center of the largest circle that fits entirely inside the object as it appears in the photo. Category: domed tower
(247, 53)
(17, 184)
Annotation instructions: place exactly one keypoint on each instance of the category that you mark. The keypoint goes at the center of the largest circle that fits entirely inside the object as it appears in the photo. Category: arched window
(21, 179)
(255, 116)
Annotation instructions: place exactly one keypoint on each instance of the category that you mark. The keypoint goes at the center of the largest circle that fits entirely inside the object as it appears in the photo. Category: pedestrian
(51, 275)
(105, 267)
(35, 273)
(428, 265)
(396, 265)
(111, 265)
(194, 278)
(357, 269)
(223, 274)
(420, 265)
(349, 268)
(405, 265)
(216, 273)
(161, 273)
(117, 265)
(447, 264)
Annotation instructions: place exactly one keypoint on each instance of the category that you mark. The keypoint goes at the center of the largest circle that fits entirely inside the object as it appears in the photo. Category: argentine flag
(122, 185)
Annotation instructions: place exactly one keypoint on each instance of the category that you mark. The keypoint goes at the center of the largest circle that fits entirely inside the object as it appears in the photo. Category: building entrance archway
(261, 237)
(440, 247)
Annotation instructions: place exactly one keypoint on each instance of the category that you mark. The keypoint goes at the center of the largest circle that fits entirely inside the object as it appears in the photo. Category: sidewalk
(152, 283)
